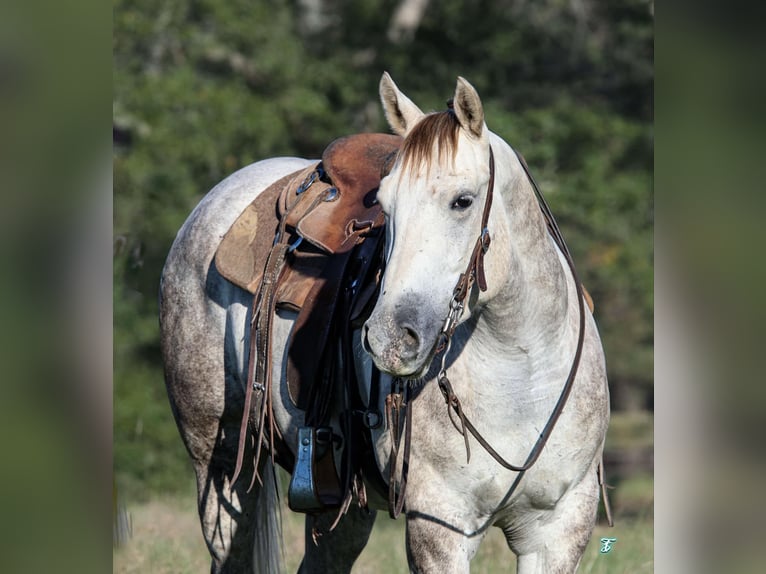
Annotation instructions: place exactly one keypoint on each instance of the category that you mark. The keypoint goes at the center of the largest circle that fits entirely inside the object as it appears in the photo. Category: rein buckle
(485, 239)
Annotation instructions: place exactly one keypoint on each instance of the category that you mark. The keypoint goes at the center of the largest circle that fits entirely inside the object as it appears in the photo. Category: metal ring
(371, 419)
(485, 239)
(307, 182)
(295, 244)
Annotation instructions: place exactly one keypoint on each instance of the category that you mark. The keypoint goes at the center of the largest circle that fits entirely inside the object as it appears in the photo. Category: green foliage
(202, 88)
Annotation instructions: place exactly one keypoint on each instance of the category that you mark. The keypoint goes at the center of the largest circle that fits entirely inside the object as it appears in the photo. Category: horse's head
(433, 198)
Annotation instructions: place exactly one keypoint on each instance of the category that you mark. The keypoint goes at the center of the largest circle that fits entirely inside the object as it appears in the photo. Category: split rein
(400, 395)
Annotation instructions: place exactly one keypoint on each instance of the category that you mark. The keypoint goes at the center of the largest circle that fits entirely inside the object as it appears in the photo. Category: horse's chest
(539, 490)
(544, 489)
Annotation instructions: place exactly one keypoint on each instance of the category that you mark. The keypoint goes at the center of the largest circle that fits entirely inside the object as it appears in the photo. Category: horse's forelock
(437, 131)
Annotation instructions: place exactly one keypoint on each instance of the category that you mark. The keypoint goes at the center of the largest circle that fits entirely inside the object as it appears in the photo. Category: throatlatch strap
(604, 494)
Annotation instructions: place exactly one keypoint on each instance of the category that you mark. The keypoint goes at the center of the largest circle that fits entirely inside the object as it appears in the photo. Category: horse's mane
(436, 130)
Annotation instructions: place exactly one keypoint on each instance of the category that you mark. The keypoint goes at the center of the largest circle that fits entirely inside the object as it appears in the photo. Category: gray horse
(510, 353)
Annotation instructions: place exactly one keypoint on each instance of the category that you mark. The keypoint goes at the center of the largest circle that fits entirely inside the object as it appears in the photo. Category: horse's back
(211, 218)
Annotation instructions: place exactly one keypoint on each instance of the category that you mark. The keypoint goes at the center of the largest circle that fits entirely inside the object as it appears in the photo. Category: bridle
(476, 268)
(400, 396)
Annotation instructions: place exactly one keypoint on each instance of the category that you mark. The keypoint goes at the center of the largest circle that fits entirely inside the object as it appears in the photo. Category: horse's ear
(468, 108)
(401, 113)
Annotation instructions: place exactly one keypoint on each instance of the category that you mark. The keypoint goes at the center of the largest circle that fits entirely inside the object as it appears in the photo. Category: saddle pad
(242, 253)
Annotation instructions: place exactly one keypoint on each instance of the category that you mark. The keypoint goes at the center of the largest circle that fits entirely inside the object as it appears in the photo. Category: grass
(167, 539)
(632, 553)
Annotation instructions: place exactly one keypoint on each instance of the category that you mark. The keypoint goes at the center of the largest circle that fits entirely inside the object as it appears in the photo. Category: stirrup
(314, 485)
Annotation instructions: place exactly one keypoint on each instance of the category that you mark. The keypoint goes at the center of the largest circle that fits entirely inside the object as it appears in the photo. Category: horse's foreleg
(558, 541)
(433, 546)
(336, 551)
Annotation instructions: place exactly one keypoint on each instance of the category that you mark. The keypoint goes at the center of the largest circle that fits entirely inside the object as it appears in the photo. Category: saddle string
(258, 378)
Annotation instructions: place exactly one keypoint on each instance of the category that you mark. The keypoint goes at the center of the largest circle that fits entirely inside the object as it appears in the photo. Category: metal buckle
(324, 435)
(318, 173)
(485, 239)
(371, 419)
(455, 312)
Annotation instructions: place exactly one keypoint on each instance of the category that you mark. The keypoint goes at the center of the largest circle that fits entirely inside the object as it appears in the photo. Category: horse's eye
(462, 202)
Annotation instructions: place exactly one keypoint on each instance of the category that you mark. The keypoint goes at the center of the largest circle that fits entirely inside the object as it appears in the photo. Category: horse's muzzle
(396, 344)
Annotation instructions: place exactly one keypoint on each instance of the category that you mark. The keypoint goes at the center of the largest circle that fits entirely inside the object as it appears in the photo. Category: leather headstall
(475, 269)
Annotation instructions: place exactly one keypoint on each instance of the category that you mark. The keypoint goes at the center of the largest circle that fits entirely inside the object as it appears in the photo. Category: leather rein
(399, 395)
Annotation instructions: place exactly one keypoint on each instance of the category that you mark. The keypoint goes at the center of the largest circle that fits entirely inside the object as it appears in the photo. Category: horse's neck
(530, 313)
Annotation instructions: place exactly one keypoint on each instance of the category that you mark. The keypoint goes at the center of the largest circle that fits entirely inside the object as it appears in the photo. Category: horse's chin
(412, 373)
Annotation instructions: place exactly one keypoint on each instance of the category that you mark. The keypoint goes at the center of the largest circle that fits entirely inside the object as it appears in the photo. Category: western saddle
(313, 243)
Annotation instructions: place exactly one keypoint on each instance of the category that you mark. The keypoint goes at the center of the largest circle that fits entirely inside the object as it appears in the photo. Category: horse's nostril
(410, 340)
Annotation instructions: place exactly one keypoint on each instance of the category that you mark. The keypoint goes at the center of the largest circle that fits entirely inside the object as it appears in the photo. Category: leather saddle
(311, 243)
